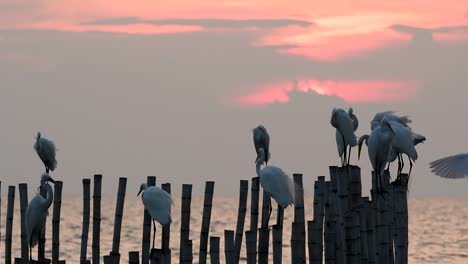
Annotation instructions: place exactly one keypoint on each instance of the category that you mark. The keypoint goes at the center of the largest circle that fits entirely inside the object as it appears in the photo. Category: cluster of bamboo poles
(346, 227)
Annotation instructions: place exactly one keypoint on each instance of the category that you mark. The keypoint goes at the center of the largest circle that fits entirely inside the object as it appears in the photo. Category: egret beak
(139, 192)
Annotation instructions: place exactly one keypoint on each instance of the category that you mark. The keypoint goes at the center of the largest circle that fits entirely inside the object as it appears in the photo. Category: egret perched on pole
(157, 203)
(345, 126)
(276, 183)
(379, 147)
(340, 144)
(389, 116)
(452, 167)
(46, 150)
(262, 140)
(36, 213)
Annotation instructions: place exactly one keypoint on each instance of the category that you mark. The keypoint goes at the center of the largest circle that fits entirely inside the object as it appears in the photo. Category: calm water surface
(438, 228)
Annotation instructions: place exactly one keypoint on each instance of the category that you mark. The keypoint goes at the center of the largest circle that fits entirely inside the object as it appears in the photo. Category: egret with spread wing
(452, 167)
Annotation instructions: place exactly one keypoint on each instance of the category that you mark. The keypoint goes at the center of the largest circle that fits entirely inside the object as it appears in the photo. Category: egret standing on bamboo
(46, 150)
(157, 203)
(36, 213)
(262, 140)
(276, 183)
(343, 122)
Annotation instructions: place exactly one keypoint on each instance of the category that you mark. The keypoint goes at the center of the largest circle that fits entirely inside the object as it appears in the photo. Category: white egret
(452, 167)
(379, 147)
(275, 182)
(345, 126)
(389, 116)
(36, 213)
(157, 203)
(262, 140)
(340, 145)
(46, 150)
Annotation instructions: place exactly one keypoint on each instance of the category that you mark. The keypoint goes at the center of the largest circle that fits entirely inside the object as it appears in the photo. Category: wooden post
(330, 225)
(264, 231)
(229, 246)
(277, 244)
(166, 232)
(9, 223)
(119, 207)
(145, 241)
(23, 193)
(298, 233)
(372, 232)
(401, 220)
(363, 211)
(86, 209)
(251, 245)
(254, 205)
(214, 250)
(314, 236)
(56, 221)
(353, 232)
(205, 227)
(133, 257)
(340, 254)
(316, 246)
(187, 257)
(383, 256)
(185, 217)
(243, 192)
(96, 218)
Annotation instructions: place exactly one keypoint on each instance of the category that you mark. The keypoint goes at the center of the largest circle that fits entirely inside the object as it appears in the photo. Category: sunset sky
(173, 88)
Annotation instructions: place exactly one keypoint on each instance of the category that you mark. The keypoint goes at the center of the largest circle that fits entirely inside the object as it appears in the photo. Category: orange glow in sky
(350, 91)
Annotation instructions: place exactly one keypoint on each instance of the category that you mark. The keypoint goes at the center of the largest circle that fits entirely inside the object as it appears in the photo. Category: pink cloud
(350, 91)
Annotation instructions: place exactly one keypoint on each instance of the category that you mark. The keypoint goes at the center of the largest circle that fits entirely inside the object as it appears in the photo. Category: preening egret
(275, 182)
(345, 124)
(36, 213)
(262, 140)
(389, 116)
(452, 167)
(158, 204)
(46, 150)
(379, 147)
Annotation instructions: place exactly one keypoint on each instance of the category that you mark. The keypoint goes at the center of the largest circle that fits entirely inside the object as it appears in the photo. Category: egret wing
(453, 167)
(158, 204)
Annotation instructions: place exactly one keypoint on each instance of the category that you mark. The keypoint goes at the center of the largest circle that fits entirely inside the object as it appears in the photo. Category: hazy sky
(174, 88)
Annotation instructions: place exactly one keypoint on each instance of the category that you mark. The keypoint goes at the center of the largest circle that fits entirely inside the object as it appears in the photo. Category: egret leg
(269, 213)
(399, 166)
(154, 231)
(30, 253)
(349, 155)
(402, 163)
(345, 151)
(47, 170)
(411, 167)
(388, 167)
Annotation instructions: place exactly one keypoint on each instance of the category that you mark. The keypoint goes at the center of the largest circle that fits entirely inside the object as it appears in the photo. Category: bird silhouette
(345, 126)
(261, 139)
(157, 203)
(36, 213)
(46, 150)
(452, 167)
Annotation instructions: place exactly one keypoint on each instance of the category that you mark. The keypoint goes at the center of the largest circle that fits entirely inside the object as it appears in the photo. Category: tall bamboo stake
(145, 241)
(330, 225)
(254, 205)
(9, 223)
(243, 192)
(277, 244)
(187, 258)
(298, 252)
(263, 236)
(119, 208)
(401, 220)
(185, 216)
(96, 218)
(205, 227)
(166, 232)
(23, 193)
(86, 209)
(56, 221)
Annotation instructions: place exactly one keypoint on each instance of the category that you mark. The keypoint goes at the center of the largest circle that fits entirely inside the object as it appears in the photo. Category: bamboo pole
(86, 209)
(205, 227)
(9, 223)
(187, 258)
(353, 232)
(383, 256)
(56, 221)
(330, 225)
(254, 205)
(145, 241)
(96, 218)
(263, 236)
(401, 220)
(243, 192)
(298, 249)
(166, 233)
(363, 211)
(319, 212)
(133, 257)
(23, 193)
(315, 235)
(185, 217)
(277, 244)
(229, 246)
(119, 207)
(372, 232)
(251, 245)
(214, 250)
(340, 254)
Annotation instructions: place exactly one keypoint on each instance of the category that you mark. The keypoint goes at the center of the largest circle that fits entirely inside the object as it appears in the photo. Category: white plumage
(36, 212)
(46, 150)
(276, 182)
(453, 167)
(379, 147)
(389, 116)
(261, 139)
(345, 123)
